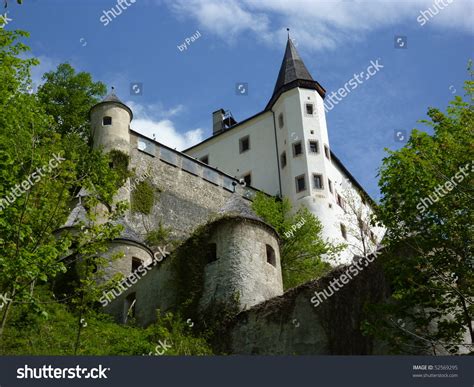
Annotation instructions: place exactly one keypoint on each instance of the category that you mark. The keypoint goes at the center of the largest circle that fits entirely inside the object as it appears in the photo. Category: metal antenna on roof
(288, 33)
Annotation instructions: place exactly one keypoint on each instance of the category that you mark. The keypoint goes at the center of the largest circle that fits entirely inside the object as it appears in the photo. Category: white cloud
(156, 110)
(318, 24)
(227, 21)
(153, 121)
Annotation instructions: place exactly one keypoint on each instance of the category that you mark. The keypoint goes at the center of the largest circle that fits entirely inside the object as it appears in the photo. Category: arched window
(107, 121)
(271, 259)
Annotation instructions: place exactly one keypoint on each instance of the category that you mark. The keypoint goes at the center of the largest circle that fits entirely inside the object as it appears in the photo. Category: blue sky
(244, 41)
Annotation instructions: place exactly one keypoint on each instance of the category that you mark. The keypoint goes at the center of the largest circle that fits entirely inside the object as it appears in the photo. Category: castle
(228, 255)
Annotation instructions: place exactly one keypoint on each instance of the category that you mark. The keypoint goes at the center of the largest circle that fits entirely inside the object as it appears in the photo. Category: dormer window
(107, 121)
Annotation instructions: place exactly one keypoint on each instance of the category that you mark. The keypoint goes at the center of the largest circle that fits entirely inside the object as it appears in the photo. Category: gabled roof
(293, 73)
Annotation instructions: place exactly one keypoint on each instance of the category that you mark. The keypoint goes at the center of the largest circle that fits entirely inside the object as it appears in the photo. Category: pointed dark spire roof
(293, 73)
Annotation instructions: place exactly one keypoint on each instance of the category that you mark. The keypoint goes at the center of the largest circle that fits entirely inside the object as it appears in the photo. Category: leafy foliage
(159, 236)
(67, 96)
(53, 333)
(41, 170)
(302, 246)
(430, 230)
(143, 197)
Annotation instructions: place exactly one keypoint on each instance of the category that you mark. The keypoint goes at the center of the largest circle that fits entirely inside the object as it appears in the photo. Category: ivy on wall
(143, 197)
(159, 236)
(119, 161)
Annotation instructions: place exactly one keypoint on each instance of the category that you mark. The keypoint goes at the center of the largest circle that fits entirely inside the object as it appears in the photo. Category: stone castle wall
(190, 192)
(291, 325)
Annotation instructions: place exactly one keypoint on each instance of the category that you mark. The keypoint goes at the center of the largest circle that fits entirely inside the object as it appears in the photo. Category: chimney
(218, 121)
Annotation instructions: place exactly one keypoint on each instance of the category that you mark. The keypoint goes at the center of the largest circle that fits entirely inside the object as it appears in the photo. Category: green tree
(67, 96)
(302, 245)
(39, 175)
(427, 207)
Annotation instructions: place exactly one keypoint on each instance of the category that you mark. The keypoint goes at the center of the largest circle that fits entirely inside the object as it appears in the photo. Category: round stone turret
(110, 121)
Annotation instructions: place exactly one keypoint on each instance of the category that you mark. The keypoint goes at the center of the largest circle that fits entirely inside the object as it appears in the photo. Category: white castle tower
(284, 150)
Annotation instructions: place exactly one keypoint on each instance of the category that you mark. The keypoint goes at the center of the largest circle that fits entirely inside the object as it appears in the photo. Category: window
(212, 257)
(136, 263)
(107, 120)
(129, 307)
(309, 108)
(343, 231)
(330, 185)
(297, 150)
(326, 152)
(244, 144)
(281, 122)
(340, 201)
(311, 131)
(318, 181)
(283, 160)
(247, 179)
(300, 183)
(313, 146)
(271, 255)
(204, 159)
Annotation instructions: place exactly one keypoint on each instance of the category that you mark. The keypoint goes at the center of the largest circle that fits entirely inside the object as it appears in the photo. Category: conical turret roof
(293, 73)
(112, 98)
